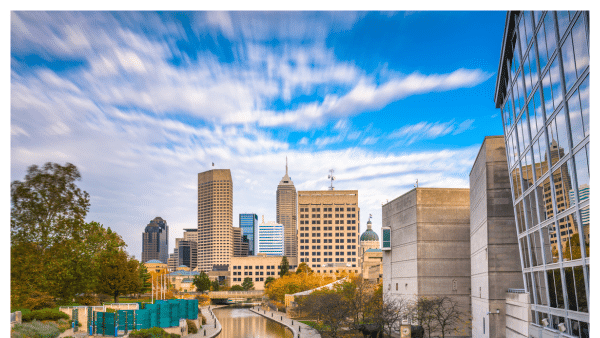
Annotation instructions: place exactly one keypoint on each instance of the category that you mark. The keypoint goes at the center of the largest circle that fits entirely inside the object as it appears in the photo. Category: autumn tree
(357, 292)
(247, 284)
(293, 283)
(329, 307)
(118, 274)
(268, 281)
(424, 311)
(201, 282)
(215, 286)
(303, 268)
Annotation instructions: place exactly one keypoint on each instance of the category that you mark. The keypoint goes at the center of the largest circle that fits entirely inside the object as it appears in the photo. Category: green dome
(369, 235)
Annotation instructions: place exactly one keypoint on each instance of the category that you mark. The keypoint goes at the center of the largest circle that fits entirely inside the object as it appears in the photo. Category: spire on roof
(286, 171)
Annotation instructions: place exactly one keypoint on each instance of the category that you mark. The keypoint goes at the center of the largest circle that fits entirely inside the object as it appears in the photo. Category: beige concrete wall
(260, 261)
(518, 315)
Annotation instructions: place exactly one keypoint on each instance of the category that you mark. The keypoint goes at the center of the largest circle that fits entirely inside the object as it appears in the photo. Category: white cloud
(409, 134)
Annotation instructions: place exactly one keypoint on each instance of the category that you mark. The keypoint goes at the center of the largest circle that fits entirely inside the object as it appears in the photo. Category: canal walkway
(299, 330)
(212, 328)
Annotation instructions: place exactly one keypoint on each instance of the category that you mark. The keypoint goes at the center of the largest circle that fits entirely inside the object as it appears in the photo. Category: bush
(155, 332)
(191, 326)
(203, 318)
(44, 314)
(39, 300)
(35, 329)
(87, 299)
(203, 300)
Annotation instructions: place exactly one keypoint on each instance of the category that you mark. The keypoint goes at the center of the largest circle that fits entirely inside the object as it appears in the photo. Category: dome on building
(154, 261)
(369, 234)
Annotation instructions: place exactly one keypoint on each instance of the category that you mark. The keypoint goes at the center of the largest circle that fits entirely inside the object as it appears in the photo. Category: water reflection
(242, 323)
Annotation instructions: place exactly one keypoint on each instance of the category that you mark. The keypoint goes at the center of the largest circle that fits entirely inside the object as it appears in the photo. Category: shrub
(203, 300)
(87, 299)
(39, 300)
(191, 326)
(35, 329)
(44, 314)
(203, 318)
(155, 332)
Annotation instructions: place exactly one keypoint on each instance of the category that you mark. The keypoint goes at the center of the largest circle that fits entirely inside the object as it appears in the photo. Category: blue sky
(143, 101)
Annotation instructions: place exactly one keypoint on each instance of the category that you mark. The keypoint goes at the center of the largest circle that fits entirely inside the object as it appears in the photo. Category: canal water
(242, 323)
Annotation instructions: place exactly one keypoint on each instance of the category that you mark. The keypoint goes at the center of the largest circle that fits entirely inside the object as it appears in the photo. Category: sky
(141, 102)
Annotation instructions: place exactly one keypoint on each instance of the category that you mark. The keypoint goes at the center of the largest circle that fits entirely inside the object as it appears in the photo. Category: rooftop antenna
(213, 164)
(331, 177)
(417, 184)
(286, 171)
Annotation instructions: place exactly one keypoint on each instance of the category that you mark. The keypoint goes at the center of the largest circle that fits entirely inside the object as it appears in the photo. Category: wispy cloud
(409, 134)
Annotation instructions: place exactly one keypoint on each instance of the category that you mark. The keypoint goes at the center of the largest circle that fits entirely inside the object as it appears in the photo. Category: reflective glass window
(540, 156)
(525, 251)
(529, 287)
(520, 217)
(533, 73)
(585, 226)
(551, 254)
(536, 249)
(528, 26)
(546, 190)
(507, 112)
(527, 171)
(550, 33)
(582, 167)
(536, 17)
(575, 118)
(555, 289)
(547, 92)
(519, 133)
(516, 180)
(546, 245)
(556, 132)
(540, 285)
(584, 96)
(525, 129)
(580, 45)
(563, 186)
(575, 283)
(563, 22)
(569, 62)
(516, 58)
(518, 94)
(569, 234)
(522, 35)
(531, 209)
(557, 94)
(536, 120)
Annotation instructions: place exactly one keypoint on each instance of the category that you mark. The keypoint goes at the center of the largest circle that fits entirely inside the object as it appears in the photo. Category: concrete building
(270, 238)
(181, 279)
(155, 266)
(190, 235)
(215, 218)
(542, 89)
(495, 262)
(371, 256)
(429, 254)
(249, 226)
(329, 229)
(287, 213)
(259, 268)
(155, 241)
(240, 246)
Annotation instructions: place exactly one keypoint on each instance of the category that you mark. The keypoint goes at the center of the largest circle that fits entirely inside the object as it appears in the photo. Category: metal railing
(517, 291)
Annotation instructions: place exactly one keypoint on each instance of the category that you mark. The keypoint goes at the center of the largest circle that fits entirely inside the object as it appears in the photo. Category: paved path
(212, 326)
(299, 330)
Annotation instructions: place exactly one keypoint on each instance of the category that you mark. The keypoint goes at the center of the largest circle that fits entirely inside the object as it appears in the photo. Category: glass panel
(556, 151)
(584, 95)
(533, 69)
(556, 320)
(520, 217)
(563, 22)
(585, 329)
(575, 118)
(536, 249)
(557, 94)
(536, 120)
(531, 206)
(525, 128)
(582, 54)
(555, 289)
(562, 130)
(522, 35)
(583, 176)
(563, 184)
(542, 49)
(540, 285)
(536, 17)
(527, 73)
(541, 200)
(527, 171)
(516, 60)
(571, 248)
(518, 94)
(516, 178)
(569, 62)
(582, 303)
(585, 226)
(550, 30)
(529, 287)
(520, 134)
(552, 240)
(528, 25)
(571, 298)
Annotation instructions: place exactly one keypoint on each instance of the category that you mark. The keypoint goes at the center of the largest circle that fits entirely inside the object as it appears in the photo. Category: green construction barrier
(125, 320)
(105, 323)
(164, 314)
(142, 319)
(152, 314)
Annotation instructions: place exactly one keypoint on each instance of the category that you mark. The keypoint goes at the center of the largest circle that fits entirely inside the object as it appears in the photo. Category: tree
(390, 312)
(247, 284)
(118, 274)
(201, 282)
(303, 268)
(237, 288)
(447, 314)
(268, 281)
(424, 310)
(357, 292)
(284, 267)
(328, 306)
(292, 283)
(145, 279)
(215, 285)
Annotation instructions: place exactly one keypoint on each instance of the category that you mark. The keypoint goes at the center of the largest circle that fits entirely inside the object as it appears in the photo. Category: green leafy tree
(268, 281)
(145, 279)
(237, 288)
(215, 285)
(303, 268)
(201, 282)
(284, 266)
(118, 274)
(248, 284)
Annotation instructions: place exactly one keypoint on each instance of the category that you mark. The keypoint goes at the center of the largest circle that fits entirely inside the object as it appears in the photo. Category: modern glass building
(270, 239)
(155, 241)
(249, 225)
(542, 89)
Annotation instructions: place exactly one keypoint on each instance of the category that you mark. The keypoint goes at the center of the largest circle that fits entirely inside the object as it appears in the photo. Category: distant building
(215, 218)
(240, 246)
(258, 268)
(430, 251)
(249, 226)
(371, 256)
(287, 213)
(270, 238)
(329, 230)
(155, 241)
(495, 262)
(543, 91)
(155, 266)
(182, 279)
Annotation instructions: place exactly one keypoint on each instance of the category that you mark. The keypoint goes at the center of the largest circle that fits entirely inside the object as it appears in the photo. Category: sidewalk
(299, 330)
(212, 326)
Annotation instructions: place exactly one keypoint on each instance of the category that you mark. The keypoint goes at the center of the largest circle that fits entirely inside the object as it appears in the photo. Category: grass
(36, 329)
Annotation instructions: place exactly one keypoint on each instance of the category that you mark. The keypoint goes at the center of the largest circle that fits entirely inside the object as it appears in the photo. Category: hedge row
(44, 314)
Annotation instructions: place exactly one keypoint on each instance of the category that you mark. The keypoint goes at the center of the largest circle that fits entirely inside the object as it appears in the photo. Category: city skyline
(143, 102)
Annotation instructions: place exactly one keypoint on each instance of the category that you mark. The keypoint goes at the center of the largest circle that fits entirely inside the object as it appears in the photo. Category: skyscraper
(287, 211)
(249, 226)
(542, 90)
(155, 241)
(270, 238)
(329, 230)
(215, 218)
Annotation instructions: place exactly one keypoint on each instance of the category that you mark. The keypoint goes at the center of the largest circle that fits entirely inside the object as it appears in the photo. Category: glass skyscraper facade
(270, 239)
(249, 225)
(542, 90)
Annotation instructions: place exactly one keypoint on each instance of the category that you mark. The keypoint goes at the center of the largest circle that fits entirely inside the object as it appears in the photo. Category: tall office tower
(240, 245)
(429, 253)
(190, 235)
(249, 226)
(270, 238)
(287, 211)
(542, 90)
(495, 262)
(155, 241)
(215, 218)
(329, 229)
